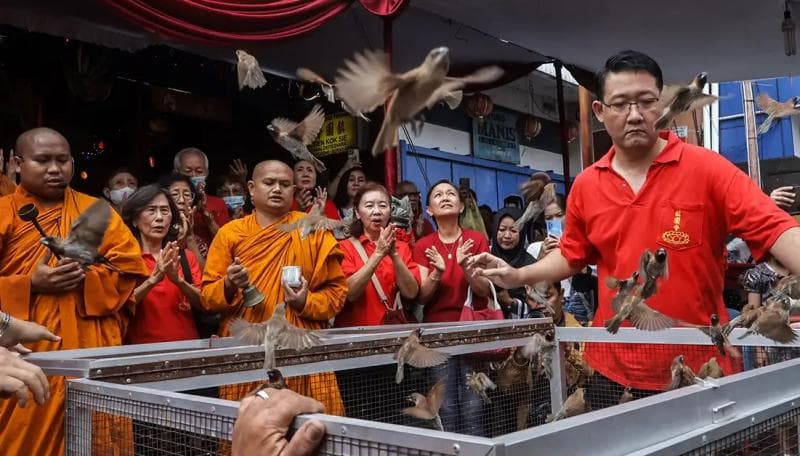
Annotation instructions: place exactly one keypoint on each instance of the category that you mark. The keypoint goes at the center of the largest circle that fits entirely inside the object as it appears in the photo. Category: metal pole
(587, 138)
(562, 120)
(390, 158)
(753, 164)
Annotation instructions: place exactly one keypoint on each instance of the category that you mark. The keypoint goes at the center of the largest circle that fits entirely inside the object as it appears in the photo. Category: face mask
(120, 194)
(233, 202)
(555, 227)
(197, 180)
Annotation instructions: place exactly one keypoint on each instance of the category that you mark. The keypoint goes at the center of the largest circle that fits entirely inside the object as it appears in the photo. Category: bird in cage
(316, 220)
(248, 71)
(627, 395)
(771, 320)
(85, 236)
(573, 406)
(543, 347)
(776, 110)
(719, 338)
(328, 89)
(427, 407)
(710, 369)
(677, 99)
(366, 82)
(578, 370)
(480, 382)
(296, 136)
(275, 333)
(539, 195)
(652, 268)
(681, 374)
(629, 305)
(412, 352)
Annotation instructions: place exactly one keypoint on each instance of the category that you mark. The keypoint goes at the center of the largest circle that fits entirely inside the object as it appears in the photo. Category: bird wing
(436, 395)
(675, 381)
(422, 356)
(307, 75)
(284, 125)
(532, 189)
(669, 93)
(790, 285)
(533, 211)
(420, 413)
(365, 82)
(774, 326)
(766, 103)
(297, 338)
(486, 382)
(249, 333)
(702, 100)
(452, 85)
(308, 130)
(329, 224)
(645, 318)
(90, 228)
(534, 346)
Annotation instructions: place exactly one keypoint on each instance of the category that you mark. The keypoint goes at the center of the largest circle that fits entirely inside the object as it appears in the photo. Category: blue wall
(775, 143)
(492, 181)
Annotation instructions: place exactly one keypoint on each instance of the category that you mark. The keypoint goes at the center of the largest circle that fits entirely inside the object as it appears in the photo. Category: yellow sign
(676, 236)
(338, 135)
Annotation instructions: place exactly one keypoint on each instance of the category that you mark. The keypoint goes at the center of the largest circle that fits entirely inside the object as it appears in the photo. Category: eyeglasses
(186, 196)
(624, 107)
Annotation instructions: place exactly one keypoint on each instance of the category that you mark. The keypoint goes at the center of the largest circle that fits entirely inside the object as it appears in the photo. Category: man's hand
(236, 275)
(784, 197)
(262, 424)
(23, 332)
(17, 377)
(296, 297)
(65, 276)
(496, 270)
(238, 170)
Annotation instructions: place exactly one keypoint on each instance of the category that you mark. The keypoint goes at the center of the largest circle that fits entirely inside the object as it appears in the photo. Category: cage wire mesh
(777, 436)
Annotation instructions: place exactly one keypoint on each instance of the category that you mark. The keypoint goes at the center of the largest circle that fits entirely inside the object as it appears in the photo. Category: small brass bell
(252, 297)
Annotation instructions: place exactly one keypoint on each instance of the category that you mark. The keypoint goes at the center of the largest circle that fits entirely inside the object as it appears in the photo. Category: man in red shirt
(211, 212)
(651, 190)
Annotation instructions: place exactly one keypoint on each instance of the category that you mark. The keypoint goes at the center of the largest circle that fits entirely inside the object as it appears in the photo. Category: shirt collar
(671, 153)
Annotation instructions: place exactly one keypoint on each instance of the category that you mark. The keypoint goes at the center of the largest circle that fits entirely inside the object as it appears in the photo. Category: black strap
(187, 270)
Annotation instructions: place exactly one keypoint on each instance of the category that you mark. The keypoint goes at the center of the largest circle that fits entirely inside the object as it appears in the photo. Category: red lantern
(528, 126)
(478, 106)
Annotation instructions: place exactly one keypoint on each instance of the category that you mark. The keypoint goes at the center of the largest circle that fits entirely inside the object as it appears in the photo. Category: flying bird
(653, 267)
(366, 82)
(295, 137)
(630, 305)
(427, 407)
(790, 286)
(717, 334)
(539, 195)
(328, 89)
(85, 236)
(678, 99)
(772, 320)
(315, 220)
(275, 333)
(710, 369)
(543, 347)
(480, 382)
(416, 354)
(776, 110)
(249, 71)
(573, 406)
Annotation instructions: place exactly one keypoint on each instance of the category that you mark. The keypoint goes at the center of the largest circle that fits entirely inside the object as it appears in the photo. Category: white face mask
(120, 194)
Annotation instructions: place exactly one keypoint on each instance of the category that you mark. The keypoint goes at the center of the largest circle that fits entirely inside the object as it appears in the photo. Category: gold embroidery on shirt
(676, 236)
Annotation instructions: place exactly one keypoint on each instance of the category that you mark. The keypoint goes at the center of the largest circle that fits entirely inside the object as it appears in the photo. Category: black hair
(628, 61)
(139, 200)
(341, 198)
(356, 227)
(167, 180)
(120, 170)
(436, 184)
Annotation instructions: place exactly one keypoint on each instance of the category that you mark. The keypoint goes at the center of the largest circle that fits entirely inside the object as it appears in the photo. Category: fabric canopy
(239, 21)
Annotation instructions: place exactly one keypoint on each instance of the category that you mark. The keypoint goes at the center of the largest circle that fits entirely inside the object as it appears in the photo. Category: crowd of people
(184, 248)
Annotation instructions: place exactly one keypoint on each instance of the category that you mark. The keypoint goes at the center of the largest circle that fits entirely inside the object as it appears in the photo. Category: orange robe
(93, 315)
(264, 252)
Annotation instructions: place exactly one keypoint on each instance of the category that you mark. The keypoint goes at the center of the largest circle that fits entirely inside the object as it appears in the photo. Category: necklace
(452, 248)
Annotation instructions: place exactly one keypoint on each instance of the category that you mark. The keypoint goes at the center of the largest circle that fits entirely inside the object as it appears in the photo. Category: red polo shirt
(368, 310)
(691, 200)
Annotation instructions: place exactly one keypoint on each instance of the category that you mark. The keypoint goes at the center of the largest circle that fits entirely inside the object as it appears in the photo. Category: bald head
(272, 188)
(44, 163)
(27, 141)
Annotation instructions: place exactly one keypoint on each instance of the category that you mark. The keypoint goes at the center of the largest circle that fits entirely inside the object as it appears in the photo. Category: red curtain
(238, 21)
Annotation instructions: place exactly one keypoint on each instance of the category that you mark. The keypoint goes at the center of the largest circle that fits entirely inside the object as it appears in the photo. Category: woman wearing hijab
(507, 244)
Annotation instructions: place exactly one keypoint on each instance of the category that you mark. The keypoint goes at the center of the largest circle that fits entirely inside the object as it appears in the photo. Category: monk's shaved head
(27, 141)
(265, 165)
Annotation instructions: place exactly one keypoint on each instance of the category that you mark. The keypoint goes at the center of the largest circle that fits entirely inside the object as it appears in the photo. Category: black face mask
(583, 282)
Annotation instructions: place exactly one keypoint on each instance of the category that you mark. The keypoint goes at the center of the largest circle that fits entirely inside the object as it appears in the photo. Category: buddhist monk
(253, 250)
(86, 308)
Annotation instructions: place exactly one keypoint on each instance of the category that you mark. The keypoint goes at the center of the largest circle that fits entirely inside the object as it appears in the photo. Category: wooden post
(753, 163)
(587, 138)
(562, 120)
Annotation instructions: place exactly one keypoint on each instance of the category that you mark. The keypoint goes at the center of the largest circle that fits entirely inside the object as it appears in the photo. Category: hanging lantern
(528, 126)
(478, 106)
(572, 132)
